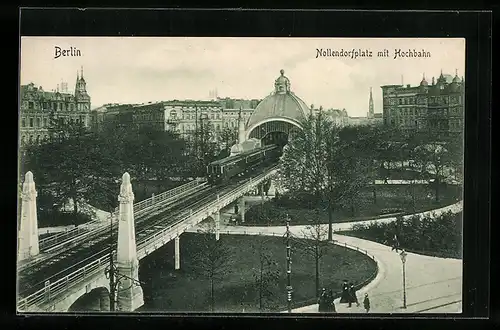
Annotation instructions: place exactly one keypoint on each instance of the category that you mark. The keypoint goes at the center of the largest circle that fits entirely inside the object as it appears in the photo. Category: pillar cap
(126, 177)
(28, 177)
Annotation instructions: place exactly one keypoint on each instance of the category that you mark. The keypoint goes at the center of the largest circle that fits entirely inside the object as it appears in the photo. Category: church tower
(370, 106)
(81, 96)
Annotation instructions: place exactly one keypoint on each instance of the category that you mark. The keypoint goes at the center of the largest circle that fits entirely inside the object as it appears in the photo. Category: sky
(140, 69)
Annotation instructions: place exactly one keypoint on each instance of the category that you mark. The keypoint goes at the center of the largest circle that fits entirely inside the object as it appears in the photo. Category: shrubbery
(439, 236)
(53, 218)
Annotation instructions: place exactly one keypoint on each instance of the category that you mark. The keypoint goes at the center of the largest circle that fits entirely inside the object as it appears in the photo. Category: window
(400, 101)
(60, 106)
(218, 116)
(23, 122)
(37, 139)
(45, 105)
(31, 122)
(22, 140)
(44, 122)
(72, 107)
(38, 122)
(30, 105)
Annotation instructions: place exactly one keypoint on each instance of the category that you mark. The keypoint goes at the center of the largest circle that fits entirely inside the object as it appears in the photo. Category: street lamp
(289, 265)
(403, 255)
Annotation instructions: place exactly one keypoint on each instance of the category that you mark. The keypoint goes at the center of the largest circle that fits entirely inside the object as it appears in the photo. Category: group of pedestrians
(348, 296)
(326, 302)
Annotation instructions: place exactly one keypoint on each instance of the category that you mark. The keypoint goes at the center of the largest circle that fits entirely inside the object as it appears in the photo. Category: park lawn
(390, 199)
(167, 290)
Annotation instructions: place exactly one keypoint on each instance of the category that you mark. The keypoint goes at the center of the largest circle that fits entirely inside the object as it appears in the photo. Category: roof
(286, 105)
(38, 93)
(147, 107)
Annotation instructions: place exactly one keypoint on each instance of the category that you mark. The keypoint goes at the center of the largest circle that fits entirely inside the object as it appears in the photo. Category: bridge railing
(140, 209)
(191, 216)
(145, 205)
(53, 289)
(65, 236)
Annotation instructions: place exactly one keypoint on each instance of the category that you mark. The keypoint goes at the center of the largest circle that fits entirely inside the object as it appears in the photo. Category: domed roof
(283, 103)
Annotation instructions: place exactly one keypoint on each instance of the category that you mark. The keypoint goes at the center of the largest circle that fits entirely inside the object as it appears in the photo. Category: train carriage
(227, 168)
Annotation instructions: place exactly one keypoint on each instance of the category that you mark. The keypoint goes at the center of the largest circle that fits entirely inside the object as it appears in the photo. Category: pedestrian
(395, 242)
(352, 294)
(344, 298)
(366, 303)
(331, 302)
(322, 301)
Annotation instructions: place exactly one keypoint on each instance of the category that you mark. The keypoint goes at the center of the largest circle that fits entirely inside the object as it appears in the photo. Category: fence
(314, 300)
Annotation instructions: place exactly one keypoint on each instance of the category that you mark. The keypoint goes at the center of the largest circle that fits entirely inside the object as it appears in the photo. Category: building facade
(39, 107)
(183, 117)
(436, 109)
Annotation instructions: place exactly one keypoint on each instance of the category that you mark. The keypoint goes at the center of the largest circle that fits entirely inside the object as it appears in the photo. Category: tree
(65, 166)
(228, 137)
(205, 145)
(266, 276)
(350, 166)
(315, 246)
(329, 163)
(212, 258)
(433, 158)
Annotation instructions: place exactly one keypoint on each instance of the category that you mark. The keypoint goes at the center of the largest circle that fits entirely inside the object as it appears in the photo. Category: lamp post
(403, 255)
(289, 265)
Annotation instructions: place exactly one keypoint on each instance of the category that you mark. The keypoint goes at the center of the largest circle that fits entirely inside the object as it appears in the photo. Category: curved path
(433, 285)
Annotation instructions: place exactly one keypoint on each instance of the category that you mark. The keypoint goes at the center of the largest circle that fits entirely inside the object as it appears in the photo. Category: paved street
(433, 284)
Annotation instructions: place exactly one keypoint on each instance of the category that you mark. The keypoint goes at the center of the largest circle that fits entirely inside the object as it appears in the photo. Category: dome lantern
(282, 84)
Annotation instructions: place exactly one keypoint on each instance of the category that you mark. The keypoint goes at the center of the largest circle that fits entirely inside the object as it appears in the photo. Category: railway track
(34, 278)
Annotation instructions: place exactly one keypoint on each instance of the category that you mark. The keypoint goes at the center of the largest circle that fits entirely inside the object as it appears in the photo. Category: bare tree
(212, 258)
(434, 159)
(266, 276)
(315, 245)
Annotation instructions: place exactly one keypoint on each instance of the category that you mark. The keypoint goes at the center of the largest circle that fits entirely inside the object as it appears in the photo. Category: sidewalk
(433, 285)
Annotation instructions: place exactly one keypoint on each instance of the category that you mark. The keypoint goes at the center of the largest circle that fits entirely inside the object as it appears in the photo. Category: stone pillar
(28, 226)
(130, 295)
(262, 191)
(177, 253)
(241, 208)
(217, 224)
